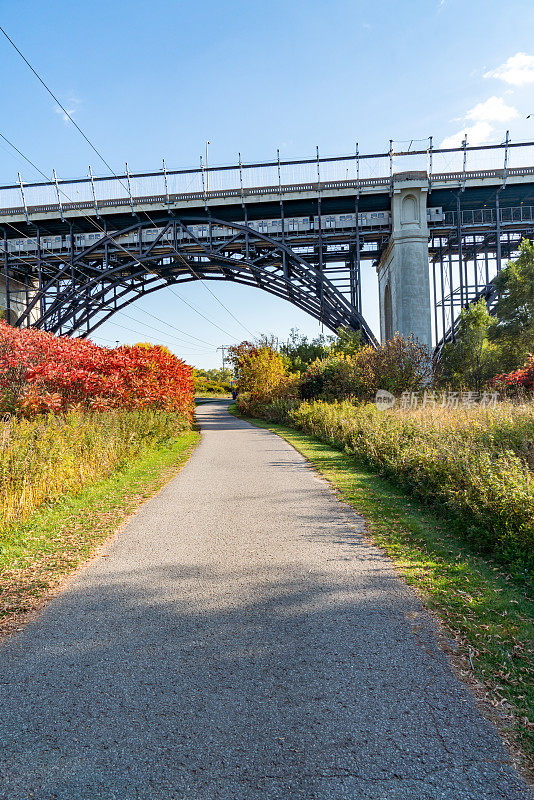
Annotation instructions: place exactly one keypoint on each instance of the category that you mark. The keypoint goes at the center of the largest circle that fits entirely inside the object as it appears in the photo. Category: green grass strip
(490, 616)
(60, 536)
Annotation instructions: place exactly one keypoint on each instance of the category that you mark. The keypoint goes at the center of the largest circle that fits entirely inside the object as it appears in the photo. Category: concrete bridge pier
(403, 273)
(18, 297)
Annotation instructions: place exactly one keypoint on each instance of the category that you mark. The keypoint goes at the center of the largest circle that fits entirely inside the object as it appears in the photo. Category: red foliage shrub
(40, 372)
(518, 379)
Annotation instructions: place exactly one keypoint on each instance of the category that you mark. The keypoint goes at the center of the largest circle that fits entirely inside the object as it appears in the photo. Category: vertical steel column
(243, 206)
(282, 219)
(355, 274)
(87, 307)
(451, 294)
(358, 268)
(106, 243)
(466, 276)
(319, 221)
(435, 299)
(444, 328)
(498, 231)
(475, 262)
(40, 272)
(87, 296)
(72, 276)
(6, 278)
(460, 253)
(27, 296)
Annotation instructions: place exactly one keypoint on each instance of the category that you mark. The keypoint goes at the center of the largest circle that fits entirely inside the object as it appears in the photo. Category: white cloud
(518, 70)
(479, 133)
(494, 109)
(483, 115)
(71, 107)
(64, 117)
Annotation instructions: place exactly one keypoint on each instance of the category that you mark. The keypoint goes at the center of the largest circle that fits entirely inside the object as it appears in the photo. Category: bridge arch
(79, 293)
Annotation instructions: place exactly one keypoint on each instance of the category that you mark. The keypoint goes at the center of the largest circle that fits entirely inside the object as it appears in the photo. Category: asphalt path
(241, 639)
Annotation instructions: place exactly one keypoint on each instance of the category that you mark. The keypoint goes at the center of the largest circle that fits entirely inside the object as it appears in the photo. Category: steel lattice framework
(76, 291)
(120, 238)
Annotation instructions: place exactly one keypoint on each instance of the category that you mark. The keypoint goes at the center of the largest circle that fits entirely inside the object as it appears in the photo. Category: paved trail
(241, 641)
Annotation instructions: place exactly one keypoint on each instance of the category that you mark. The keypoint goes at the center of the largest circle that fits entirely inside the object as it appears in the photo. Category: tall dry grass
(45, 457)
(475, 463)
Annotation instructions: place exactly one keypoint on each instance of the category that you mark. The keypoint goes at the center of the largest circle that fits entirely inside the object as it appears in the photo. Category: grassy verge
(38, 554)
(490, 616)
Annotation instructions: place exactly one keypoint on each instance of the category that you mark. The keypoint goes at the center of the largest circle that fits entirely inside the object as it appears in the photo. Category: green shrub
(205, 386)
(397, 365)
(333, 378)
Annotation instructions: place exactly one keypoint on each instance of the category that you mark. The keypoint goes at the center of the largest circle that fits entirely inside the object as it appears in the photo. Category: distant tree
(514, 331)
(396, 365)
(214, 375)
(300, 352)
(472, 360)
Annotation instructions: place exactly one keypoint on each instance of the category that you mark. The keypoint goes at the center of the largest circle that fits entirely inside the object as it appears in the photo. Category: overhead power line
(60, 104)
(131, 255)
(99, 154)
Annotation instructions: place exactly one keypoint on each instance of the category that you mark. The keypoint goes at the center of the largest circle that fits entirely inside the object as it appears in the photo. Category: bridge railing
(354, 170)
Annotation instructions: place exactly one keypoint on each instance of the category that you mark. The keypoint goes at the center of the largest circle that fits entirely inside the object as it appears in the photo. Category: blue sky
(147, 80)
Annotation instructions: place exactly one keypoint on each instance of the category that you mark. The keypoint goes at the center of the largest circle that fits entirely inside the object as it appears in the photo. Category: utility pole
(223, 349)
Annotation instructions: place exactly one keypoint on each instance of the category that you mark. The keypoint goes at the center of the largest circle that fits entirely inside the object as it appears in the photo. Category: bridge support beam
(403, 270)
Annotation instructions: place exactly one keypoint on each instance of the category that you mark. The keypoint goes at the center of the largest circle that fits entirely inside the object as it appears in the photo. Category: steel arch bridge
(78, 290)
(76, 251)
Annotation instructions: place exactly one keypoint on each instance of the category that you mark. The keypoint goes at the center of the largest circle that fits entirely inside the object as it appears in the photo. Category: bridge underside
(66, 289)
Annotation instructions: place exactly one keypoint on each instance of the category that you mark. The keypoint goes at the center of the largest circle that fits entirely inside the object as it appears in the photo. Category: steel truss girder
(88, 287)
(496, 243)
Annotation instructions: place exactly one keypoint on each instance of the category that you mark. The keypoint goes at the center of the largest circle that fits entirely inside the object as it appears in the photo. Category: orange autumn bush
(41, 373)
(261, 375)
